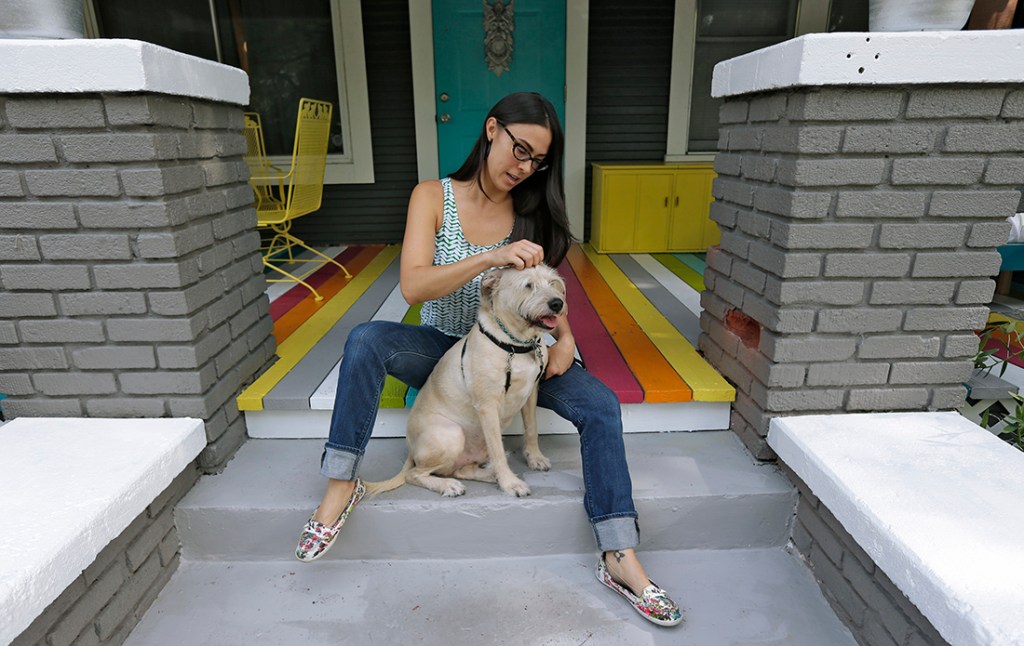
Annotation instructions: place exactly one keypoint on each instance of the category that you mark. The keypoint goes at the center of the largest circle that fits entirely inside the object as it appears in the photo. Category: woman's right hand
(519, 254)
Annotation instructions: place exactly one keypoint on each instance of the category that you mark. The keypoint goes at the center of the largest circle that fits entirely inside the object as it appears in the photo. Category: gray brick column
(859, 226)
(130, 279)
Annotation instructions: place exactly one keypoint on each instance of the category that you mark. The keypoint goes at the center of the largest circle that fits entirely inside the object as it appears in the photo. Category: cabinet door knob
(666, 201)
(677, 200)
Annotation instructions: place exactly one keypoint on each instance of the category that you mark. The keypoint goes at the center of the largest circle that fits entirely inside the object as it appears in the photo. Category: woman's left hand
(560, 356)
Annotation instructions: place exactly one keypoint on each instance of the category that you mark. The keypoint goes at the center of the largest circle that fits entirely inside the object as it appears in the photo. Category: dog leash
(512, 350)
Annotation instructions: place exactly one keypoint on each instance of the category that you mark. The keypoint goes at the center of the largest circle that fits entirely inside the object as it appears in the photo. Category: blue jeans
(409, 353)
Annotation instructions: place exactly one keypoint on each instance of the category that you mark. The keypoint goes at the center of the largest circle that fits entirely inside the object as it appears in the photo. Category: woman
(504, 206)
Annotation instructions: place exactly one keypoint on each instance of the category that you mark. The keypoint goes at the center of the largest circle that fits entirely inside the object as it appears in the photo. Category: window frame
(355, 164)
(811, 17)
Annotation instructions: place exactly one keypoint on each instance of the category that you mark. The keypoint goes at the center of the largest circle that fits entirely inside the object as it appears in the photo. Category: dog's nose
(556, 304)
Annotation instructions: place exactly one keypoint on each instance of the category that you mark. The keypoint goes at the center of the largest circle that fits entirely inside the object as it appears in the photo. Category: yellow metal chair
(264, 176)
(282, 197)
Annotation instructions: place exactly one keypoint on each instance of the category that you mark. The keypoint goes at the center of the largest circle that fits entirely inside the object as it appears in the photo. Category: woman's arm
(420, 279)
(562, 353)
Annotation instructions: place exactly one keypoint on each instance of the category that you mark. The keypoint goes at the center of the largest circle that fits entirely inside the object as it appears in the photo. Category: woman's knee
(601, 413)
(603, 401)
(364, 340)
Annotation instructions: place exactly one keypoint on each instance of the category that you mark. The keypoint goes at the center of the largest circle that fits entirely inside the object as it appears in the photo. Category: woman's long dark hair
(539, 201)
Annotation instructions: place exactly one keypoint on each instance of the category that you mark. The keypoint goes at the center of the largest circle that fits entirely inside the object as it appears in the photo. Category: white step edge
(636, 418)
(70, 486)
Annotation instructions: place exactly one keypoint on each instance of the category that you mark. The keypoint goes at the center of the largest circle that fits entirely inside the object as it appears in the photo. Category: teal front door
(468, 81)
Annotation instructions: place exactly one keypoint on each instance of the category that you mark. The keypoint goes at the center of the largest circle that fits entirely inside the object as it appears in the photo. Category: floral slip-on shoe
(317, 538)
(653, 603)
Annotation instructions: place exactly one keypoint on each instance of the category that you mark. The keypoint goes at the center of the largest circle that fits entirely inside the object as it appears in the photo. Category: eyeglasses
(522, 153)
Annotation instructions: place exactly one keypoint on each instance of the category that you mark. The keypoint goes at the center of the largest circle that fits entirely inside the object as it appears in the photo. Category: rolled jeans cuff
(618, 533)
(339, 464)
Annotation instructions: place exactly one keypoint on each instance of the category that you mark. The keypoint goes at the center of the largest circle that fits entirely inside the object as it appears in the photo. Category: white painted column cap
(934, 500)
(876, 58)
(68, 487)
(79, 66)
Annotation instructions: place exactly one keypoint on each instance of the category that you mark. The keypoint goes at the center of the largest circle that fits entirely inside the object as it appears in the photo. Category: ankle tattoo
(619, 556)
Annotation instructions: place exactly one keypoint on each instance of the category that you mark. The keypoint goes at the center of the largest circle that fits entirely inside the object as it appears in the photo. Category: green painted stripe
(393, 395)
(693, 261)
(676, 266)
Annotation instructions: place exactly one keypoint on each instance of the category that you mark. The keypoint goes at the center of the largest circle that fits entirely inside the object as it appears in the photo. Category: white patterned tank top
(455, 313)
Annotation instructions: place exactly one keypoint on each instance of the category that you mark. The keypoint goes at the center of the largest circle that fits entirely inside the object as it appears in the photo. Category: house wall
(354, 213)
(629, 64)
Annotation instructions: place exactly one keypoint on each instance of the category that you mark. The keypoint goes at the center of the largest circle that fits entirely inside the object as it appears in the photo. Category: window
(290, 50)
(706, 33)
(726, 29)
(848, 15)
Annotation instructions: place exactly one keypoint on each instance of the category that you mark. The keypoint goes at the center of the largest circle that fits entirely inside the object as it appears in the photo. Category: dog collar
(504, 329)
(512, 350)
(509, 347)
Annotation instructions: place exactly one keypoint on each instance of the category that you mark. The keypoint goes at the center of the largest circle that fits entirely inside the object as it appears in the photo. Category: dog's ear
(489, 282)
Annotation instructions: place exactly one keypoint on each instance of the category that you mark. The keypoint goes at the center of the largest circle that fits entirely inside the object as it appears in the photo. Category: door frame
(576, 25)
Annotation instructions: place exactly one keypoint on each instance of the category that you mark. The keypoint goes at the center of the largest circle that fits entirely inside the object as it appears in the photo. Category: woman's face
(518, 150)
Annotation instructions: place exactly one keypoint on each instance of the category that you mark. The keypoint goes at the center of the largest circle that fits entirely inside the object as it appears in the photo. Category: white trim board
(636, 418)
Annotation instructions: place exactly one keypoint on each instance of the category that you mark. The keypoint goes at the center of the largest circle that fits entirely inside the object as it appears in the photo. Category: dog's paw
(515, 487)
(537, 461)
(452, 488)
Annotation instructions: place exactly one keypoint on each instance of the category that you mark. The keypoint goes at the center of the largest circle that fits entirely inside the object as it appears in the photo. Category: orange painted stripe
(299, 313)
(661, 383)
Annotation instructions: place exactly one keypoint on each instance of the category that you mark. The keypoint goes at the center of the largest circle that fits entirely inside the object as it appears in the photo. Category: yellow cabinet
(651, 208)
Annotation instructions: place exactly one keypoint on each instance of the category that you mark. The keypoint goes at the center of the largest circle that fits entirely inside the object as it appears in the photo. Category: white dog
(480, 384)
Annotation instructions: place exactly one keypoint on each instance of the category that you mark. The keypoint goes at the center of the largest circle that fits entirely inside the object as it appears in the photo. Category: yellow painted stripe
(393, 395)
(302, 341)
(705, 381)
(679, 268)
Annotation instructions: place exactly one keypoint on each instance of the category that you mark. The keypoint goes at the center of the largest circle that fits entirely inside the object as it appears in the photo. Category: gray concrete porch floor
(737, 596)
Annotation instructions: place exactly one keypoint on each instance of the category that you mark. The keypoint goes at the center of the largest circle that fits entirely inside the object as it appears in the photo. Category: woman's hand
(519, 254)
(560, 356)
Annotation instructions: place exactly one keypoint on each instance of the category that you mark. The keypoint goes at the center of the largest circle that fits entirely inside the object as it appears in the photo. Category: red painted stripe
(596, 346)
(294, 318)
(659, 380)
(1000, 347)
(296, 294)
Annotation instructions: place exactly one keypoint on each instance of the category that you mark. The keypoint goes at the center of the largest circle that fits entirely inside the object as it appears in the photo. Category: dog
(480, 384)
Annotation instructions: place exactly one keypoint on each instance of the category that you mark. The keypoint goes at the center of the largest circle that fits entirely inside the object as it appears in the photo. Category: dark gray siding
(629, 59)
(353, 213)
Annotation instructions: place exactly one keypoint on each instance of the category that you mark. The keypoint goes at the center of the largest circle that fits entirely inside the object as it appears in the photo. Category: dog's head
(533, 297)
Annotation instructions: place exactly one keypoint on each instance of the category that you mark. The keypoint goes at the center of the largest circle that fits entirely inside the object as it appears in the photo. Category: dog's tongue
(549, 322)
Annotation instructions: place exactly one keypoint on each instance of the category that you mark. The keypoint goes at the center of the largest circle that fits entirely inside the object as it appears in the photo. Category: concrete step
(740, 596)
(692, 491)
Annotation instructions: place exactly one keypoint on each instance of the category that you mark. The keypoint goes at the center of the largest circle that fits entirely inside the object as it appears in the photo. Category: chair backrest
(309, 157)
(256, 157)
(256, 152)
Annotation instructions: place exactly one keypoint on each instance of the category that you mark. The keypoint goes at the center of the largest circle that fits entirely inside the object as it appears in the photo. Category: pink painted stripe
(596, 347)
(1001, 352)
(296, 294)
